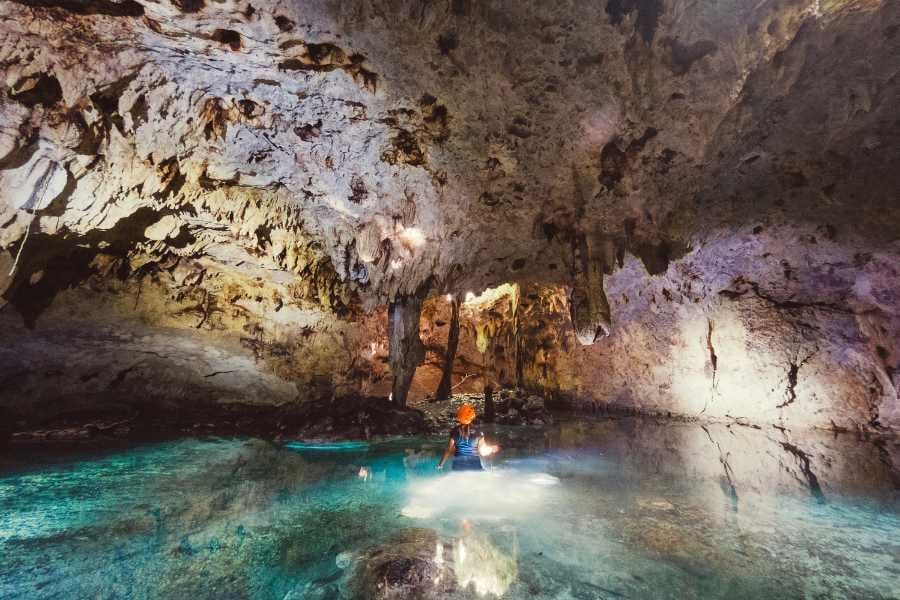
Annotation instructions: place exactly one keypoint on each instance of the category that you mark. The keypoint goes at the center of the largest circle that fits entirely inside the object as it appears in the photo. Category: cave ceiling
(444, 145)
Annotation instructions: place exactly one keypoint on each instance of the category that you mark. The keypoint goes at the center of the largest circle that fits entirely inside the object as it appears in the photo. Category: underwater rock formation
(418, 563)
(210, 203)
(405, 566)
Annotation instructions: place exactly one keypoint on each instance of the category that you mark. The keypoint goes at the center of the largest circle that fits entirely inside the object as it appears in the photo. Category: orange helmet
(465, 414)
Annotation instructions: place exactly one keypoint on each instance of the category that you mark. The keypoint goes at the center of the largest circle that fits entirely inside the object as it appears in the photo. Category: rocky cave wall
(687, 344)
(210, 203)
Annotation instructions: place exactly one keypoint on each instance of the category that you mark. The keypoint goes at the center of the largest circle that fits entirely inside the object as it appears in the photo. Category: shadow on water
(580, 509)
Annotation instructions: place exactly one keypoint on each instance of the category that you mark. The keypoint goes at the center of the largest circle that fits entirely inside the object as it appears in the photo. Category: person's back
(465, 454)
(466, 445)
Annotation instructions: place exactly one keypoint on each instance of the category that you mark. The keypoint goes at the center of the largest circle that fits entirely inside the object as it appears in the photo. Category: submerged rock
(410, 565)
(418, 563)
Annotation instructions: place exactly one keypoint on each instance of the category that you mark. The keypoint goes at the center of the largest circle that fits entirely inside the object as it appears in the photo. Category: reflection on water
(480, 565)
(605, 509)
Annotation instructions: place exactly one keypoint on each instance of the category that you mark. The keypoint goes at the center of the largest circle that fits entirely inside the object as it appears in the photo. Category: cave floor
(606, 508)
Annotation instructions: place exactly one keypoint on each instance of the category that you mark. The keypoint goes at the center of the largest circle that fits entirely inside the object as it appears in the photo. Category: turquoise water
(606, 509)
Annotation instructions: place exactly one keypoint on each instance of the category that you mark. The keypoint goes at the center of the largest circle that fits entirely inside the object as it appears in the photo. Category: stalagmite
(406, 349)
(588, 305)
(443, 390)
(489, 409)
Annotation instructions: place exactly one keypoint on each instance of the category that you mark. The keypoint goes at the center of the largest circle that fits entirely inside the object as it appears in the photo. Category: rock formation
(216, 203)
(443, 390)
(407, 351)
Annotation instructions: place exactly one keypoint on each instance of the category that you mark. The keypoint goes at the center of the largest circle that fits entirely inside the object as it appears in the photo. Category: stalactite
(406, 349)
(443, 390)
(588, 305)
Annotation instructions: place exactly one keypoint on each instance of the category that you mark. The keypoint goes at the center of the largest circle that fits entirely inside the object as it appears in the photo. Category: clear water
(606, 509)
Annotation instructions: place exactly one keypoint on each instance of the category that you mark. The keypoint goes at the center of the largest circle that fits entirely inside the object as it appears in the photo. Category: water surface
(622, 508)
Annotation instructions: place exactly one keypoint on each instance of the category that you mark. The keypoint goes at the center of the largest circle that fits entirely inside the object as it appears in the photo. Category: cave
(259, 262)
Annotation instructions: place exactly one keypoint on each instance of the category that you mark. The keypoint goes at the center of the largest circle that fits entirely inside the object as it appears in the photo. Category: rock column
(489, 411)
(443, 390)
(406, 349)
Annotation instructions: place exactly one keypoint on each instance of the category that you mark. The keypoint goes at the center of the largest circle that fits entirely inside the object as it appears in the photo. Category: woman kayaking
(466, 444)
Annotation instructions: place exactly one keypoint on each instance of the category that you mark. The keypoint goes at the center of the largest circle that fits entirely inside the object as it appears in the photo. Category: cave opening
(449, 299)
